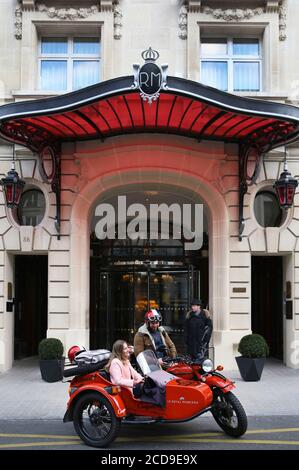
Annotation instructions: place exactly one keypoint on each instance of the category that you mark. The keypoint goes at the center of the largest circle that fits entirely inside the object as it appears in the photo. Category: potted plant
(51, 360)
(254, 350)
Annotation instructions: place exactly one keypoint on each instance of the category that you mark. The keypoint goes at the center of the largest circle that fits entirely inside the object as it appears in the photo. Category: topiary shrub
(253, 345)
(50, 348)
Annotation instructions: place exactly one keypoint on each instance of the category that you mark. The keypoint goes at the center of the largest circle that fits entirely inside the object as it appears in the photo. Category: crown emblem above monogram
(150, 77)
(150, 54)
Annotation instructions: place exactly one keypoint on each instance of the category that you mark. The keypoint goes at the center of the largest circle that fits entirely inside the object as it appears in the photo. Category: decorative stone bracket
(193, 5)
(50, 156)
(183, 22)
(18, 22)
(27, 5)
(117, 22)
(282, 20)
(245, 180)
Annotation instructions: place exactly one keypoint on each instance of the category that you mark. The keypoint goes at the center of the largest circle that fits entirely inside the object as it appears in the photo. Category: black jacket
(196, 325)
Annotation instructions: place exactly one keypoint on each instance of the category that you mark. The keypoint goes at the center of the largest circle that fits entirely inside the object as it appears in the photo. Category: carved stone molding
(68, 13)
(282, 21)
(117, 22)
(183, 22)
(231, 14)
(18, 23)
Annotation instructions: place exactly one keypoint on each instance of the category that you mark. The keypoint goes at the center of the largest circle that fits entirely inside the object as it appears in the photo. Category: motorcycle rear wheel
(95, 420)
(229, 414)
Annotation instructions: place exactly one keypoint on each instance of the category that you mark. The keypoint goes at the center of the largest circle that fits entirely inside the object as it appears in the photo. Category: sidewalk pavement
(24, 395)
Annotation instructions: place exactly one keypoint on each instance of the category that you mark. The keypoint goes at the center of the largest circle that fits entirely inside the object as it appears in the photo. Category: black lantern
(285, 187)
(12, 187)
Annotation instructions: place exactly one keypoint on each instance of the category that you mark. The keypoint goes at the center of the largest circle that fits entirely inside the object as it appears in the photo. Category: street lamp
(285, 187)
(12, 187)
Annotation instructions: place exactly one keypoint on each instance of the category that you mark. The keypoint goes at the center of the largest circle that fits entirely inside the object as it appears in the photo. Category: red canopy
(185, 108)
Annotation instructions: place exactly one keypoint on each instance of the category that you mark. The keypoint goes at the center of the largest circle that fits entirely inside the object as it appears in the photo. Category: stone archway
(147, 169)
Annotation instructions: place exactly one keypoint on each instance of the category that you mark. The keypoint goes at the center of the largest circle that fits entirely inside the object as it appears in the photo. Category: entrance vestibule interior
(127, 277)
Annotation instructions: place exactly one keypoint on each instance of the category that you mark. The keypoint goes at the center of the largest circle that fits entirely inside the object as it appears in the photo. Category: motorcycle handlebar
(187, 359)
(180, 358)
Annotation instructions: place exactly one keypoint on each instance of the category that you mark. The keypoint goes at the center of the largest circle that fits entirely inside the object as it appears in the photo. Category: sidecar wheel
(95, 421)
(229, 414)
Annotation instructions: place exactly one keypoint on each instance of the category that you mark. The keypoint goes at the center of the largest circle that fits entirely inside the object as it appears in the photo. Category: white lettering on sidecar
(185, 402)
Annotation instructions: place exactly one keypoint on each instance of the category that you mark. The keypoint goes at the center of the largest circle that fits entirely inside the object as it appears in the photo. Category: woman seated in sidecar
(120, 370)
(150, 389)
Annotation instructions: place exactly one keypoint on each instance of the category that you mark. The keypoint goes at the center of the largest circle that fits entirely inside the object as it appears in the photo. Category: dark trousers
(137, 390)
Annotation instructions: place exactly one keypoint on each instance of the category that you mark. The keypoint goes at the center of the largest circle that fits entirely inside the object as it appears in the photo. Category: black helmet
(196, 302)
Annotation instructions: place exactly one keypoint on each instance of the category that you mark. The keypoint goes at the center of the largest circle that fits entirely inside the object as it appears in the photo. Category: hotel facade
(216, 132)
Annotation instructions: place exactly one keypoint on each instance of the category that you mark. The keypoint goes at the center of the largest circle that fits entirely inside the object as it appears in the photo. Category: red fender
(220, 382)
(115, 400)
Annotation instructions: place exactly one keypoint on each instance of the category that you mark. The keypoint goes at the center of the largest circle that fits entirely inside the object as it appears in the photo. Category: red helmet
(73, 351)
(152, 316)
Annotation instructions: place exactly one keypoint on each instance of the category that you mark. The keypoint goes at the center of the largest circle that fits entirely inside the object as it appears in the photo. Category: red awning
(113, 108)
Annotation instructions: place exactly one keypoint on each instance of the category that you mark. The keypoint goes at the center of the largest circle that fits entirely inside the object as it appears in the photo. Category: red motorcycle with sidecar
(98, 407)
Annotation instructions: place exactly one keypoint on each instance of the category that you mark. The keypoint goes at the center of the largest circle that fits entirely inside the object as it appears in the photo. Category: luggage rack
(83, 369)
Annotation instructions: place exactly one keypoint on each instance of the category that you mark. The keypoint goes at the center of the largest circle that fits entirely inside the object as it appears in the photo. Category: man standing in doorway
(198, 329)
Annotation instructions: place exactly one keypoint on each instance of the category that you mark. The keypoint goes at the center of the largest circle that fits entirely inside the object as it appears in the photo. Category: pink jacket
(123, 374)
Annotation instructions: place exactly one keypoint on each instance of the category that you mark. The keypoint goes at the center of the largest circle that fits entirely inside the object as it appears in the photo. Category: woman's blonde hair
(117, 352)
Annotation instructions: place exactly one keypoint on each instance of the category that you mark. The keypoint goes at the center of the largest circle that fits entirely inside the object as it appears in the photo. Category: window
(31, 209)
(67, 64)
(231, 64)
(267, 210)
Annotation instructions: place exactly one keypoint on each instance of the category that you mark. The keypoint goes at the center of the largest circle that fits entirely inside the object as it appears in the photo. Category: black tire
(95, 420)
(229, 414)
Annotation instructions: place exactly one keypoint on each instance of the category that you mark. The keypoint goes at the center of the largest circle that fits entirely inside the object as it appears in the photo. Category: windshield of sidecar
(148, 361)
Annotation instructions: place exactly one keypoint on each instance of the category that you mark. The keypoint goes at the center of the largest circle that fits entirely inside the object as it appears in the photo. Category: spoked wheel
(229, 414)
(95, 421)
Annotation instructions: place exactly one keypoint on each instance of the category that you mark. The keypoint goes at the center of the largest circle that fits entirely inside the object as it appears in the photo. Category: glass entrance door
(171, 291)
(124, 296)
(115, 312)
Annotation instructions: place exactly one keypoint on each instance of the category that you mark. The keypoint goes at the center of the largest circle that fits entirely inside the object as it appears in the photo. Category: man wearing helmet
(151, 335)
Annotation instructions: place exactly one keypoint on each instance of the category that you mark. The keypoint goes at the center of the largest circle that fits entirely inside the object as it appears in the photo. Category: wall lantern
(12, 187)
(285, 187)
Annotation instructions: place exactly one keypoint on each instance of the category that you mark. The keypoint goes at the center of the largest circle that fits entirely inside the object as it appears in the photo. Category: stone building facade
(253, 283)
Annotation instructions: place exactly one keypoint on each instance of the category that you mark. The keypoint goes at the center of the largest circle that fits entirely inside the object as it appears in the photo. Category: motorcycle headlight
(207, 365)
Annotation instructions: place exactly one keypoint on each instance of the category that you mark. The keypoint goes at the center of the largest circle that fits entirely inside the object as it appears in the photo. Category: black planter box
(250, 368)
(51, 369)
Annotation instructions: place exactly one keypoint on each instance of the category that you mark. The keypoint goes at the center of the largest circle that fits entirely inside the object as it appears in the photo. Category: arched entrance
(127, 276)
(144, 170)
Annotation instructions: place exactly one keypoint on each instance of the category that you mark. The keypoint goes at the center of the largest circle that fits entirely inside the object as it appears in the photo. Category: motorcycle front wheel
(229, 414)
(95, 421)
